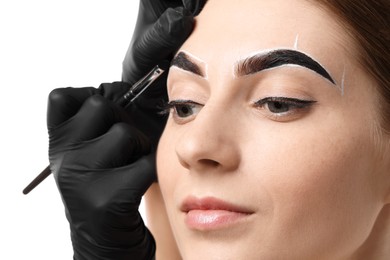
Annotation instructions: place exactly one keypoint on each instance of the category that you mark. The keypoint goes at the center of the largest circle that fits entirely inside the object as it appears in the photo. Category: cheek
(321, 172)
(170, 173)
(165, 158)
(321, 185)
(169, 170)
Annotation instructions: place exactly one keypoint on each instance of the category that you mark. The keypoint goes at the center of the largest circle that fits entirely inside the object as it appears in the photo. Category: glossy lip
(209, 213)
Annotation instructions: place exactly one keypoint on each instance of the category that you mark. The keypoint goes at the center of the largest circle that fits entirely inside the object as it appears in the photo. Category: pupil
(278, 107)
(184, 110)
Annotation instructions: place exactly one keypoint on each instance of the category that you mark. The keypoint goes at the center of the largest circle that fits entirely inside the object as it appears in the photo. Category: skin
(315, 180)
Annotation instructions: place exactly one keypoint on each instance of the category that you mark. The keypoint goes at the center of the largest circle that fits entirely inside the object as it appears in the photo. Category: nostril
(183, 162)
(209, 163)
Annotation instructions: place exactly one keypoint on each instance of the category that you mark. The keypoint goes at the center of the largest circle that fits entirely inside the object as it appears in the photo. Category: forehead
(227, 31)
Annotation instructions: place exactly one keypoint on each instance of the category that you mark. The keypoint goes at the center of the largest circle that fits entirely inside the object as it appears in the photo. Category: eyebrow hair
(278, 58)
(183, 61)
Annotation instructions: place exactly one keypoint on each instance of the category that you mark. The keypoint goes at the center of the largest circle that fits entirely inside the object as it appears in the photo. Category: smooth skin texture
(315, 179)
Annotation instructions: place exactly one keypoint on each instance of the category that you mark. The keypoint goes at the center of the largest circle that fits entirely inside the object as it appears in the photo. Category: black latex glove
(101, 163)
(162, 27)
(102, 166)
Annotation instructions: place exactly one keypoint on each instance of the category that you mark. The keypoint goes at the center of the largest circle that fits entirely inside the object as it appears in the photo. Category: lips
(210, 213)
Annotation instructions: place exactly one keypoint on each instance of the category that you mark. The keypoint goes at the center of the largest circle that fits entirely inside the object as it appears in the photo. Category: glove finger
(113, 91)
(143, 174)
(95, 118)
(117, 194)
(129, 183)
(120, 146)
(159, 42)
(194, 6)
(123, 186)
(63, 103)
(150, 10)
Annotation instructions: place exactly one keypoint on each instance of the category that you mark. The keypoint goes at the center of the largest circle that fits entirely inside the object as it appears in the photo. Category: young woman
(277, 145)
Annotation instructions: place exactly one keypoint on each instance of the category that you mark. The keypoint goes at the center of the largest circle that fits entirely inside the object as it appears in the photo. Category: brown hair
(368, 24)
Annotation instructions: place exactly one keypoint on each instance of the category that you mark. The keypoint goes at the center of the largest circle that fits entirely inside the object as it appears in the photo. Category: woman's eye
(183, 109)
(278, 107)
(283, 108)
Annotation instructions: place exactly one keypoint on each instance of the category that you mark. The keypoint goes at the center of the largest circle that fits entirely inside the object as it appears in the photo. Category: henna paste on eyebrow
(279, 58)
(184, 62)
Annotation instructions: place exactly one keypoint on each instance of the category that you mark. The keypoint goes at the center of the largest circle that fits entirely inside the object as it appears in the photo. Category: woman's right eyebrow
(184, 62)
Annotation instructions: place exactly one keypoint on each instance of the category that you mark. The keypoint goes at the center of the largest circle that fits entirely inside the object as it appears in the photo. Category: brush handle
(129, 97)
(43, 175)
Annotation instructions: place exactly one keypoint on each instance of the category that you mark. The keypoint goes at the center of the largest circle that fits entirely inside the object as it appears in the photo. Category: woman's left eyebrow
(276, 58)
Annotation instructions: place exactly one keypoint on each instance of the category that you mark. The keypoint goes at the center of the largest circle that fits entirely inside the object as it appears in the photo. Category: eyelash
(292, 107)
(181, 106)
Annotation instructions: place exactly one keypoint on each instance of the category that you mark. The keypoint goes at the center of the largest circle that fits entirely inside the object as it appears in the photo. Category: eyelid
(295, 101)
(170, 104)
(298, 108)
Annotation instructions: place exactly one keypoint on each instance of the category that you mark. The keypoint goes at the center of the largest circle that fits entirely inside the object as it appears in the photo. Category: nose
(210, 142)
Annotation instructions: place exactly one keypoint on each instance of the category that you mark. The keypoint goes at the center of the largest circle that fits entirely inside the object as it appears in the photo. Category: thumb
(63, 103)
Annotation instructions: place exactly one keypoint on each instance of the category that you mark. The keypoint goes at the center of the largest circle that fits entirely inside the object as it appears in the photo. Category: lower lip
(213, 219)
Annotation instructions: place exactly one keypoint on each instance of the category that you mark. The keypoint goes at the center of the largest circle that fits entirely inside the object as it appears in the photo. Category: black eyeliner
(299, 103)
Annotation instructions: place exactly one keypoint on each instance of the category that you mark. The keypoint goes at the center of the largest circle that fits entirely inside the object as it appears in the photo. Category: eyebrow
(183, 61)
(279, 58)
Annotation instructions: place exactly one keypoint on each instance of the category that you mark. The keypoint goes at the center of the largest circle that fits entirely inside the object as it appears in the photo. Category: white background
(45, 45)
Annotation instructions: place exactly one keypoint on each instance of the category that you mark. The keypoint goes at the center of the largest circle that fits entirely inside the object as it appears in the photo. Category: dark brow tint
(183, 61)
(278, 58)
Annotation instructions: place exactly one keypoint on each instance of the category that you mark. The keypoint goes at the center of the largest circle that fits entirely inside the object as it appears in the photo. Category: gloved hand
(102, 156)
(161, 28)
(102, 166)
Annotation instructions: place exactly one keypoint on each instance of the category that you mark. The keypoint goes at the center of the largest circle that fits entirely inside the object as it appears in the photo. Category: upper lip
(211, 203)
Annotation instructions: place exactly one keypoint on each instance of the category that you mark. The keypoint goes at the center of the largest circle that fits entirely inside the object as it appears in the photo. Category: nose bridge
(210, 139)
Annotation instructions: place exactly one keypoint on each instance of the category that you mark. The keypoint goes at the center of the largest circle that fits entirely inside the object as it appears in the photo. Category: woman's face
(271, 149)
